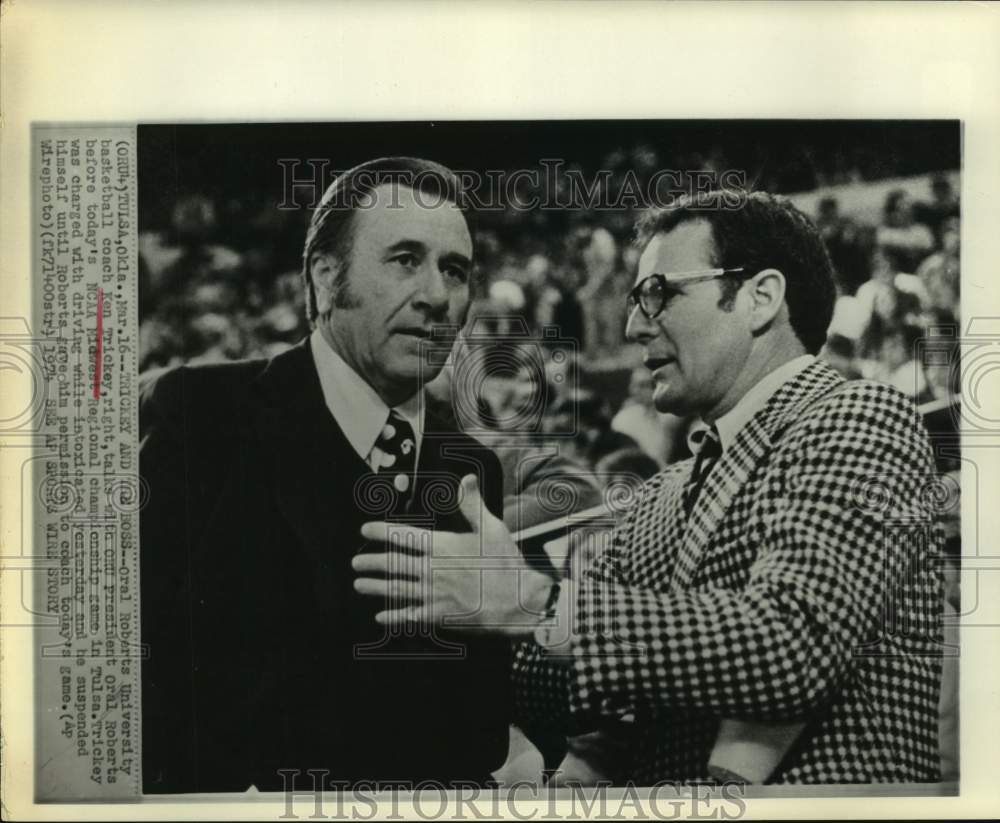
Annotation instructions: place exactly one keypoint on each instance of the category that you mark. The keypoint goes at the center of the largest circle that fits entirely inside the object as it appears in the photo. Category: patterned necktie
(709, 452)
(398, 445)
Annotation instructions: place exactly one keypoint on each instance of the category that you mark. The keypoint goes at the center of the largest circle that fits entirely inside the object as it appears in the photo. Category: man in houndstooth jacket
(778, 593)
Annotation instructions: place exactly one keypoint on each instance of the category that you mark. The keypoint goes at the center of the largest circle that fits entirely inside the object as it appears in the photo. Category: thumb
(471, 504)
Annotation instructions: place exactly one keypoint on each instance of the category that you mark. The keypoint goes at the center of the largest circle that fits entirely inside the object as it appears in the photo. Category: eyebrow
(455, 258)
(420, 247)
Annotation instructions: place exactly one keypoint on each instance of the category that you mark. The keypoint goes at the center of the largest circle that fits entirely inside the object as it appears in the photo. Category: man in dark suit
(263, 662)
(768, 610)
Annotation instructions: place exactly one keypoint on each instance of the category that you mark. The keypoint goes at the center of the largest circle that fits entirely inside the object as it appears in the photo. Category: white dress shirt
(357, 408)
(729, 425)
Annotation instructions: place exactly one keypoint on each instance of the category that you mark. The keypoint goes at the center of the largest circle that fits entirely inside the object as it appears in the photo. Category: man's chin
(667, 400)
(414, 372)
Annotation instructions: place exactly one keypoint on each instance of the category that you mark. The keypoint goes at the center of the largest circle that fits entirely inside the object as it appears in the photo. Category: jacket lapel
(435, 492)
(313, 468)
(751, 447)
(655, 528)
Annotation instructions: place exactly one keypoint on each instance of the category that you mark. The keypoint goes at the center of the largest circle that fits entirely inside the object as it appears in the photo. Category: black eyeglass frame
(636, 294)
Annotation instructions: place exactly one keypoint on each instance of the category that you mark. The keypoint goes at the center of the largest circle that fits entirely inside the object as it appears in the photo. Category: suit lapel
(657, 530)
(726, 479)
(313, 467)
(751, 447)
(435, 491)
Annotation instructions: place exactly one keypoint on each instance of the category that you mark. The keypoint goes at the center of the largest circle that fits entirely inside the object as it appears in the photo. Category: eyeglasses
(651, 294)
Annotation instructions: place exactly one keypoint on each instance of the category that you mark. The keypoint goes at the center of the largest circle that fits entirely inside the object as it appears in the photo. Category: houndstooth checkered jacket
(803, 586)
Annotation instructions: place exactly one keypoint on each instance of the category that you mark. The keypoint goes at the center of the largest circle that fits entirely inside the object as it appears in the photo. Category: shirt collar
(730, 424)
(355, 405)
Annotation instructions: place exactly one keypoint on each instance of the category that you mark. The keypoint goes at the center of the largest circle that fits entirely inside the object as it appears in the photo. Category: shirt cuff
(554, 633)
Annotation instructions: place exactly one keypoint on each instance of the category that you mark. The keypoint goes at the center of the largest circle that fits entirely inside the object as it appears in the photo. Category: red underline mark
(98, 354)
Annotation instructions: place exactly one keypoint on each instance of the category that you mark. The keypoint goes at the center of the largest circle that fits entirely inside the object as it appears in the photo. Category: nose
(639, 328)
(432, 293)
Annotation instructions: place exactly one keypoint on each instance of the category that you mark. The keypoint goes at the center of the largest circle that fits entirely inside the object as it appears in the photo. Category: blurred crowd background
(220, 261)
(544, 352)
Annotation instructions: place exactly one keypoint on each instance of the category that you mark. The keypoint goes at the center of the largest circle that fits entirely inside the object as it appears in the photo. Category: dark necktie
(709, 452)
(399, 458)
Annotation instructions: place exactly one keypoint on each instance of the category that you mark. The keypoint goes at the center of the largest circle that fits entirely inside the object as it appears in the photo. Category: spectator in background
(189, 252)
(219, 338)
(944, 206)
(505, 306)
(541, 478)
(905, 241)
(576, 422)
(562, 373)
(839, 352)
(540, 482)
(532, 276)
(280, 324)
(894, 310)
(160, 344)
(601, 292)
(845, 242)
(888, 301)
(204, 301)
(900, 365)
(655, 432)
(940, 275)
(559, 307)
(625, 467)
(941, 357)
(607, 441)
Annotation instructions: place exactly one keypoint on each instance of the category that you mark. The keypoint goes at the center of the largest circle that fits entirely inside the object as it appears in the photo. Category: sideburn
(342, 295)
(729, 288)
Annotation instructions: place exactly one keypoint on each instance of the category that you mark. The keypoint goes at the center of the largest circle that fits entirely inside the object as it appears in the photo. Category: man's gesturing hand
(477, 581)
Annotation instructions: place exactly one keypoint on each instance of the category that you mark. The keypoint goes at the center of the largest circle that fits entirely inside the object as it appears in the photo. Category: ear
(324, 269)
(767, 293)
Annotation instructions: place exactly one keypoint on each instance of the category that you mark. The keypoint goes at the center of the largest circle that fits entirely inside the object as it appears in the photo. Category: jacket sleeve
(543, 689)
(843, 545)
(547, 487)
(168, 721)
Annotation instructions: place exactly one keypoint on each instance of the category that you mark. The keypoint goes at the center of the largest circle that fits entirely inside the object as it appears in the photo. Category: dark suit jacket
(261, 655)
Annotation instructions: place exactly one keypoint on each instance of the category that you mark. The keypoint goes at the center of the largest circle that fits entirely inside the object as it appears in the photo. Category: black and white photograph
(372, 355)
(539, 411)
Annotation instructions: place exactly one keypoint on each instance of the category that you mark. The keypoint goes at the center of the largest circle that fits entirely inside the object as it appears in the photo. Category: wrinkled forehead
(394, 212)
(688, 246)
